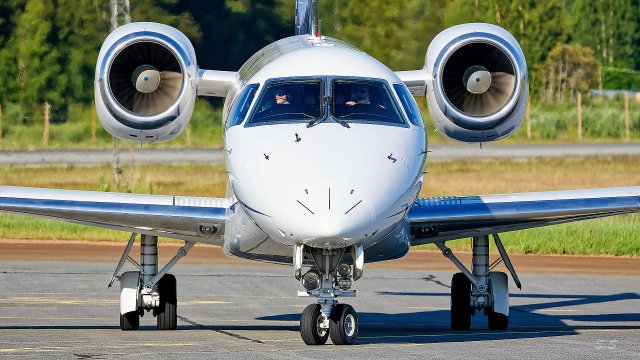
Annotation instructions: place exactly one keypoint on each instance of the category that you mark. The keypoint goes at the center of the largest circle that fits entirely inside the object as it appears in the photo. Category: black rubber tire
(341, 314)
(309, 326)
(130, 321)
(460, 302)
(167, 316)
(498, 321)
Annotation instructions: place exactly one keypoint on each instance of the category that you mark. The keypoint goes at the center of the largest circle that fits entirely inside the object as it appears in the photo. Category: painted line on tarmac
(70, 301)
(76, 348)
(425, 308)
(202, 302)
(32, 350)
(59, 301)
(49, 318)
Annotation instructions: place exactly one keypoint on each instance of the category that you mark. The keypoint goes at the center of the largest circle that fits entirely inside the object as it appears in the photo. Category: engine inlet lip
(122, 114)
(495, 119)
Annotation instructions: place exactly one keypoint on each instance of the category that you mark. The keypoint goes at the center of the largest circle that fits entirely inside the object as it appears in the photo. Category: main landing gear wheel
(130, 321)
(460, 302)
(167, 316)
(498, 321)
(343, 325)
(311, 326)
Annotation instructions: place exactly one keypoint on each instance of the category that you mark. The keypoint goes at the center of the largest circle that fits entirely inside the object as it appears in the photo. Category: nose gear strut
(327, 317)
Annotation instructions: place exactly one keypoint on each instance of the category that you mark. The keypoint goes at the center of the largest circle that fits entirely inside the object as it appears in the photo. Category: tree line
(48, 48)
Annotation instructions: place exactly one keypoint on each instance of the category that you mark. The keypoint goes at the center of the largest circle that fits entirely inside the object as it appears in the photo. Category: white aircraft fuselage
(326, 186)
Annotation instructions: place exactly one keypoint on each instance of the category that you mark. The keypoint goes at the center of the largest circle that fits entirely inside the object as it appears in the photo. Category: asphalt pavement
(63, 310)
(436, 152)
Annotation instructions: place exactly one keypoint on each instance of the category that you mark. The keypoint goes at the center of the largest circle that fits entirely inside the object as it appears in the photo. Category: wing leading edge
(448, 218)
(187, 218)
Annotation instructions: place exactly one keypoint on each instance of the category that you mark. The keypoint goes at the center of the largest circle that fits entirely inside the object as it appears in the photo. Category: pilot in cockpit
(361, 96)
(282, 96)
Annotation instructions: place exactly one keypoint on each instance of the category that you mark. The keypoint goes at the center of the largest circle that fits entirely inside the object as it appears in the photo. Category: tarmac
(54, 304)
(437, 152)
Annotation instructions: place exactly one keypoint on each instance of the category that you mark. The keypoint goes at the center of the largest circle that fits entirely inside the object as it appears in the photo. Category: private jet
(325, 149)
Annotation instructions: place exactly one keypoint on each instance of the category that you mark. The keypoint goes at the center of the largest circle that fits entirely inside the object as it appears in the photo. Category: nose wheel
(328, 279)
(314, 326)
(341, 325)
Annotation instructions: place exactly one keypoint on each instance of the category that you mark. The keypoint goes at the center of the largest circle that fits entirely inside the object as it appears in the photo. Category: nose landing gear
(314, 325)
(328, 279)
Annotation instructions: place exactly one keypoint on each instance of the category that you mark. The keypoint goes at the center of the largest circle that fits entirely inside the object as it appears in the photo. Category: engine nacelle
(145, 82)
(477, 86)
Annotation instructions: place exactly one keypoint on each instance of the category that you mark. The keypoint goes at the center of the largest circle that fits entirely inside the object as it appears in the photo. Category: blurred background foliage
(48, 50)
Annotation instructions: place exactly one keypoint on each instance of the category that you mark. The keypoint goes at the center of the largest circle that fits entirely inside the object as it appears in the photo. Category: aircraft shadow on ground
(525, 320)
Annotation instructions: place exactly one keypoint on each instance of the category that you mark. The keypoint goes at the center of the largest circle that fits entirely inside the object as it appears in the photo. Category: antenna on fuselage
(306, 17)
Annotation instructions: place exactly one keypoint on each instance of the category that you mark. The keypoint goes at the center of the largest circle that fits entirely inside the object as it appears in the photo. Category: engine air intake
(478, 79)
(145, 82)
(145, 78)
(477, 86)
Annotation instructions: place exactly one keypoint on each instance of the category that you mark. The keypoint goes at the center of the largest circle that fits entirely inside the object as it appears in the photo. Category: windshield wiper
(342, 122)
(325, 101)
(314, 121)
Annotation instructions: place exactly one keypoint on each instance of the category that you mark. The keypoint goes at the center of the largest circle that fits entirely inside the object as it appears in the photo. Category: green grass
(603, 121)
(609, 236)
(21, 227)
(617, 235)
(76, 131)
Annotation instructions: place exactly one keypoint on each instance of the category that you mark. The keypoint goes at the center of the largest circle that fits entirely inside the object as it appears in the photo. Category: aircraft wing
(188, 218)
(446, 218)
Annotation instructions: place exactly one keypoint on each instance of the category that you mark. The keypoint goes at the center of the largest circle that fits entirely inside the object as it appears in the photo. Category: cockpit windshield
(364, 100)
(346, 100)
(288, 101)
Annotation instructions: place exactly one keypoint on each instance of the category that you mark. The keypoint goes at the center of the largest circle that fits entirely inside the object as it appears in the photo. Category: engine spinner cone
(146, 78)
(477, 79)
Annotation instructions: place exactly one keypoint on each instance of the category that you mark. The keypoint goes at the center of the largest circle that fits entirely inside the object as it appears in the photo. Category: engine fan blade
(170, 86)
(491, 100)
(502, 81)
(473, 104)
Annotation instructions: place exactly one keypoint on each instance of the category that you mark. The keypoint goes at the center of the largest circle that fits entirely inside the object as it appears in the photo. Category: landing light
(344, 269)
(344, 283)
(311, 280)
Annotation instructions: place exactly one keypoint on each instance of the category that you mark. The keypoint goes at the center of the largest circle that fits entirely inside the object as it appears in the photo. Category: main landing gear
(148, 289)
(328, 279)
(480, 289)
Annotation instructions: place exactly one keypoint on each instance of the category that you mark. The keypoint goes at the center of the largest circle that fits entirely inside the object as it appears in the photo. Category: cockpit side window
(409, 105)
(288, 101)
(241, 106)
(364, 100)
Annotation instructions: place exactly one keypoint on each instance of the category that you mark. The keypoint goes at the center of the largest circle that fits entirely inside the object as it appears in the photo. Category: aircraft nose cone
(330, 215)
